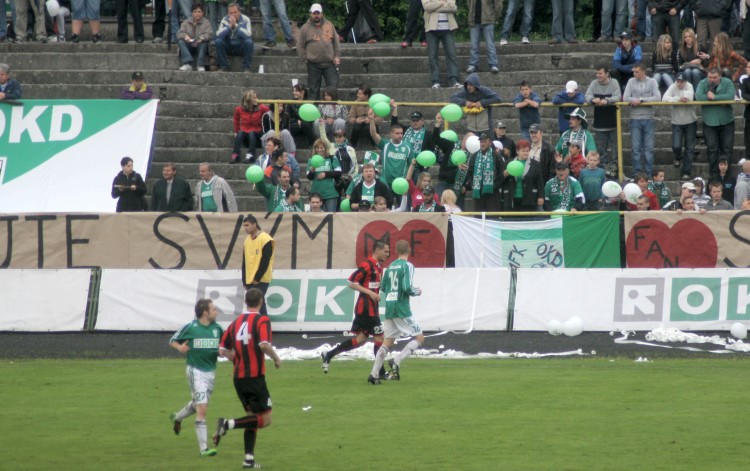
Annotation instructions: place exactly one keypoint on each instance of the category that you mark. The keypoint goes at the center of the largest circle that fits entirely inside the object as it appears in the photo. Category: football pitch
(478, 414)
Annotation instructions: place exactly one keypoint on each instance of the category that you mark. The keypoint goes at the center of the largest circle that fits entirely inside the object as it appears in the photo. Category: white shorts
(201, 384)
(408, 326)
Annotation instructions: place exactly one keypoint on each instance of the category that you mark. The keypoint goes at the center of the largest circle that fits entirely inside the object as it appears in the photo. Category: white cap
(316, 8)
(571, 86)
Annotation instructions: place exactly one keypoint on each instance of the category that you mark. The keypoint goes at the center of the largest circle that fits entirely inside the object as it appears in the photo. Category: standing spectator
(10, 89)
(275, 193)
(319, 48)
(450, 175)
(440, 24)
(171, 193)
(138, 90)
(4, 22)
(744, 7)
(332, 114)
(577, 132)
(358, 118)
(212, 193)
(482, 17)
(82, 10)
(415, 133)
(353, 9)
(485, 177)
(640, 89)
(247, 126)
(603, 92)
(542, 151)
(570, 94)
(684, 124)
(257, 256)
(643, 21)
(510, 19)
(527, 192)
(725, 58)
(269, 33)
(291, 202)
(508, 145)
(21, 22)
(742, 189)
(324, 178)
(412, 27)
(527, 102)
(215, 11)
(160, 16)
(718, 120)
(563, 192)
(664, 62)
(592, 179)
(692, 58)
(234, 37)
(563, 24)
(369, 188)
(396, 152)
(709, 14)
(269, 129)
(627, 54)
(193, 39)
(128, 188)
(666, 14)
(620, 9)
(476, 101)
(122, 8)
(745, 93)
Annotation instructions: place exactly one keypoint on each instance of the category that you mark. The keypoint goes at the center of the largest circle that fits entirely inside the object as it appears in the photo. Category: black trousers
(122, 8)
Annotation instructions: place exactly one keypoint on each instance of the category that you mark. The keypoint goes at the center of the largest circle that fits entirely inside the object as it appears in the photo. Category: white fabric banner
(43, 300)
(635, 299)
(298, 300)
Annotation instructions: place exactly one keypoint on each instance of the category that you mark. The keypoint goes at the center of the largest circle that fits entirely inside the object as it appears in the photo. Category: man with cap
(138, 90)
(234, 37)
(542, 151)
(627, 54)
(684, 123)
(415, 133)
(687, 190)
(485, 177)
(563, 192)
(428, 205)
(718, 120)
(509, 145)
(318, 46)
(576, 132)
(603, 92)
(569, 95)
(641, 89)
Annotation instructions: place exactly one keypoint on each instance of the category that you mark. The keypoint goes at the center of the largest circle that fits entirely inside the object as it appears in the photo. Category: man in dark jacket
(666, 14)
(171, 193)
(627, 54)
(9, 89)
(369, 188)
(476, 101)
(485, 177)
(524, 193)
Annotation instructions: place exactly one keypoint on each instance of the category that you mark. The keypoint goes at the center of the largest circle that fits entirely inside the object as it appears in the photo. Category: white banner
(636, 299)
(43, 300)
(298, 300)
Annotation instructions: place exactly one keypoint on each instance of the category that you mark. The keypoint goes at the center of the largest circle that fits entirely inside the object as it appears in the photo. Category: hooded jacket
(489, 13)
(478, 122)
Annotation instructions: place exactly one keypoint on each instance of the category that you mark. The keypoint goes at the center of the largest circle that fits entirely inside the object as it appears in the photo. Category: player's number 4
(244, 334)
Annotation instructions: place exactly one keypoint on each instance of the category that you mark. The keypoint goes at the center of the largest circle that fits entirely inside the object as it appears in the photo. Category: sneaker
(292, 44)
(52, 39)
(471, 69)
(42, 40)
(603, 39)
(405, 44)
(395, 373)
(494, 70)
(525, 40)
(373, 380)
(372, 41)
(251, 464)
(61, 38)
(249, 158)
(176, 424)
(186, 68)
(686, 177)
(157, 40)
(221, 430)
(554, 41)
(96, 38)
(435, 86)
(503, 42)
(572, 41)
(676, 164)
(75, 38)
(326, 362)
(201, 69)
(457, 85)
(269, 44)
(208, 452)
(234, 159)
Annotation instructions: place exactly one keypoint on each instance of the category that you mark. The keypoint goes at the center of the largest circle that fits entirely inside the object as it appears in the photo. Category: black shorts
(253, 394)
(368, 325)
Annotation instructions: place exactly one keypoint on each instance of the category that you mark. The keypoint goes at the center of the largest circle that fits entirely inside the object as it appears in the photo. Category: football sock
(343, 347)
(200, 431)
(379, 360)
(375, 350)
(186, 411)
(408, 350)
(250, 435)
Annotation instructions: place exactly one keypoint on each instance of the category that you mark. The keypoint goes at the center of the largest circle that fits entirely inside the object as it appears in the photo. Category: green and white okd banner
(62, 155)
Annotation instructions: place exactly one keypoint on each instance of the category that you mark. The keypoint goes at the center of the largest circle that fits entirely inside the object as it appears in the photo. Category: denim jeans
(694, 75)
(620, 8)
(250, 139)
(330, 205)
(269, 33)
(412, 22)
(684, 133)
(477, 32)
(188, 51)
(642, 140)
(181, 11)
(316, 73)
(563, 26)
(434, 38)
(719, 143)
(603, 141)
(664, 80)
(661, 21)
(215, 12)
(510, 17)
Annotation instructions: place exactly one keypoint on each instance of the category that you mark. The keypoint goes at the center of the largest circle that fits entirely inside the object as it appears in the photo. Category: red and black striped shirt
(244, 335)
(367, 275)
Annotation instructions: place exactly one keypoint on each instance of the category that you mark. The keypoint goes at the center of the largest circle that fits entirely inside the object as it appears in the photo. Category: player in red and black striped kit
(366, 280)
(245, 342)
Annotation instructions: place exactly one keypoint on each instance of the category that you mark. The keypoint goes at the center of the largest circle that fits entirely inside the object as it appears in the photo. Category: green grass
(569, 414)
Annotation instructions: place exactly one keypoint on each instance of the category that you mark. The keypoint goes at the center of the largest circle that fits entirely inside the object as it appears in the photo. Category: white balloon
(611, 189)
(738, 330)
(555, 327)
(573, 326)
(472, 144)
(632, 192)
(53, 8)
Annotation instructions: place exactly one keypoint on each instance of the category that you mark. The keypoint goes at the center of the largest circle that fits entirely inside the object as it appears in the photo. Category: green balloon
(309, 112)
(400, 186)
(426, 158)
(254, 174)
(449, 135)
(452, 113)
(515, 168)
(382, 109)
(345, 206)
(317, 161)
(378, 98)
(458, 157)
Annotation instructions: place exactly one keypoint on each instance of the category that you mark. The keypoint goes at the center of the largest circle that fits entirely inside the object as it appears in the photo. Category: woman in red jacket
(248, 127)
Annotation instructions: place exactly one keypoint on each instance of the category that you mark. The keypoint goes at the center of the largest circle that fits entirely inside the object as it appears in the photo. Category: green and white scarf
(484, 175)
(424, 209)
(560, 190)
(458, 183)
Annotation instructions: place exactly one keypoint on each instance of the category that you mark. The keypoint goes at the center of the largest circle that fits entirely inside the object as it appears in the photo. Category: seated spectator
(82, 10)
(527, 103)
(370, 188)
(359, 120)
(316, 203)
(664, 62)
(354, 8)
(297, 126)
(424, 180)
(563, 192)
(642, 203)
(717, 202)
(290, 203)
(275, 193)
(128, 188)
(193, 39)
(279, 162)
(380, 206)
(592, 178)
(692, 59)
(268, 126)
(332, 114)
(247, 126)
(10, 89)
(627, 54)
(429, 204)
(527, 192)
(212, 193)
(324, 178)
(642, 181)
(684, 123)
(266, 159)
(234, 37)
(171, 193)
(476, 100)
(700, 198)
(122, 7)
(658, 187)
(449, 202)
(138, 90)
(569, 95)
(725, 58)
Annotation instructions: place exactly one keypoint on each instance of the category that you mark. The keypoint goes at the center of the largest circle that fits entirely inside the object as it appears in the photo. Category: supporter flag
(62, 155)
(582, 241)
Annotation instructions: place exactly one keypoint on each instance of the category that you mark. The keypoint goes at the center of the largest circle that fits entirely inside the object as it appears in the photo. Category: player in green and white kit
(396, 288)
(199, 339)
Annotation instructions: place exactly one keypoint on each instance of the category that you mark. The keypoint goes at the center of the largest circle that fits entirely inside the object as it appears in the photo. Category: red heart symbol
(426, 241)
(687, 244)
